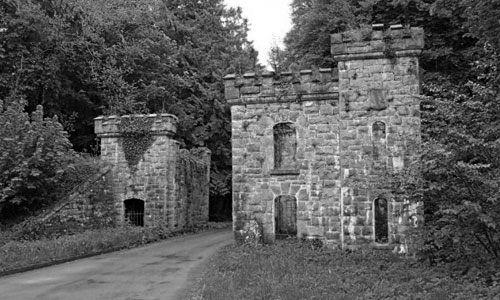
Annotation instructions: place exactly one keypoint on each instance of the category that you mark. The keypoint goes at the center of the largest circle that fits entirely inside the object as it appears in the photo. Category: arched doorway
(134, 212)
(381, 220)
(285, 216)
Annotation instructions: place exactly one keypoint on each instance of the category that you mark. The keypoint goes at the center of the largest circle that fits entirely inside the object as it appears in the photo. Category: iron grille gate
(134, 212)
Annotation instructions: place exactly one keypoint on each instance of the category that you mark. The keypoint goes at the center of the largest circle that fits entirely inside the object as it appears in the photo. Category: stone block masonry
(311, 147)
(156, 182)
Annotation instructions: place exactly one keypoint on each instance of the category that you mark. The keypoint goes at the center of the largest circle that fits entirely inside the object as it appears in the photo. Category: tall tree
(82, 58)
(308, 42)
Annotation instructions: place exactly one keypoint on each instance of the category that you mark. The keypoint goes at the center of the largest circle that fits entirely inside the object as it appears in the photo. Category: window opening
(378, 131)
(285, 146)
(381, 221)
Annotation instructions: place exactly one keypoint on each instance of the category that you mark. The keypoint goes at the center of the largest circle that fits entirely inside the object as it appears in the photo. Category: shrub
(34, 152)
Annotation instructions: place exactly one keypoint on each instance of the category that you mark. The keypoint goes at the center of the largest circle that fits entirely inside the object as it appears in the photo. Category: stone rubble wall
(88, 206)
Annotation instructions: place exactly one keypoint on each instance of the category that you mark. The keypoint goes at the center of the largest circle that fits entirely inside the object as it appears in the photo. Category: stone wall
(308, 101)
(153, 177)
(88, 206)
(91, 204)
(340, 131)
(380, 116)
(191, 205)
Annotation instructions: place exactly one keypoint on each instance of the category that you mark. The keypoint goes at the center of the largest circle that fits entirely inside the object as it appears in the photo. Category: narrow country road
(160, 271)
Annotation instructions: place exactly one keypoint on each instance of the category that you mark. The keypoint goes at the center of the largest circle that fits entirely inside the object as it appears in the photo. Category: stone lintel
(334, 96)
(163, 125)
(284, 172)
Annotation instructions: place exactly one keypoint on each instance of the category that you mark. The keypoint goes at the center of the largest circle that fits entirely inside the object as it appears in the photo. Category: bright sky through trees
(269, 20)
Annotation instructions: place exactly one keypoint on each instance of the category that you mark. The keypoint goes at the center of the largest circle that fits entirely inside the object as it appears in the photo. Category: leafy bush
(34, 153)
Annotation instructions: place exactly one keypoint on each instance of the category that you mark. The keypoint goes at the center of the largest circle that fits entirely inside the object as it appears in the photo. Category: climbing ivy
(136, 138)
(389, 51)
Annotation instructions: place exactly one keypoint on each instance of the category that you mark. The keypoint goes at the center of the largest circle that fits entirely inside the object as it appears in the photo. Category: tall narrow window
(285, 146)
(285, 216)
(381, 221)
(378, 140)
(134, 212)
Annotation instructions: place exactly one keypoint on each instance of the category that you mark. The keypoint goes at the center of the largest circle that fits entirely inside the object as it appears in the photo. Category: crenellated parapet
(270, 87)
(375, 42)
(161, 124)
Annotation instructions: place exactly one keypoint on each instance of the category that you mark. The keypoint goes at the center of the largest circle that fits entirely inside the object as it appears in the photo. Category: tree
(276, 57)
(34, 155)
(308, 42)
(82, 58)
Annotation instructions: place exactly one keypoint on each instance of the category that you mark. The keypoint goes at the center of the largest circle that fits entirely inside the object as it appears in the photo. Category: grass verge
(21, 254)
(295, 270)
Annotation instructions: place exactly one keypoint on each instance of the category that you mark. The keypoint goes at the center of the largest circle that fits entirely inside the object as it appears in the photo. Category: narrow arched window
(285, 216)
(378, 140)
(381, 217)
(285, 146)
(134, 212)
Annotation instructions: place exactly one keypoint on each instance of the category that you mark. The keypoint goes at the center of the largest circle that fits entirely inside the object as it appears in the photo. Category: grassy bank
(295, 270)
(17, 254)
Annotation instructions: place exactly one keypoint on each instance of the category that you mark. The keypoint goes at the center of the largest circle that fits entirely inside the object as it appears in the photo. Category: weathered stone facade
(166, 184)
(310, 148)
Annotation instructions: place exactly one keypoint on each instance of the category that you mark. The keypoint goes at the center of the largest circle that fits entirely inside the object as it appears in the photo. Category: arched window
(285, 216)
(134, 212)
(378, 139)
(285, 146)
(381, 217)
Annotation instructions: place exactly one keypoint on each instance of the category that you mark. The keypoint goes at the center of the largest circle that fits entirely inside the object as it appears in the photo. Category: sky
(268, 20)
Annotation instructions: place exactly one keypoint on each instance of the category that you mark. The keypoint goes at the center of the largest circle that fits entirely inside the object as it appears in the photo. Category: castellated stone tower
(153, 180)
(310, 148)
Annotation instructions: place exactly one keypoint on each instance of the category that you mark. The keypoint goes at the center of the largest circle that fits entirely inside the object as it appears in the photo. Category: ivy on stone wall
(136, 138)
(389, 51)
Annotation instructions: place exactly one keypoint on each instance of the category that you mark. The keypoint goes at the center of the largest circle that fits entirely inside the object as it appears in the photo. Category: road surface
(162, 271)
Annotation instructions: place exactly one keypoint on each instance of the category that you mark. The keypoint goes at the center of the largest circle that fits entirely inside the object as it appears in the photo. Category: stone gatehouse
(152, 180)
(310, 148)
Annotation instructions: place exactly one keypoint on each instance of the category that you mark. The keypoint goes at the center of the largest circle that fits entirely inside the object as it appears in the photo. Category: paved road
(160, 271)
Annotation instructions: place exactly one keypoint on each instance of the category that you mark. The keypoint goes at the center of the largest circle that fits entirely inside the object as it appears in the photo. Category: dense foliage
(458, 177)
(83, 58)
(34, 156)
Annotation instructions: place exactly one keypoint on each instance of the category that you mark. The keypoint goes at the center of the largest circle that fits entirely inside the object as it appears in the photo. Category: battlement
(270, 87)
(375, 42)
(162, 124)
